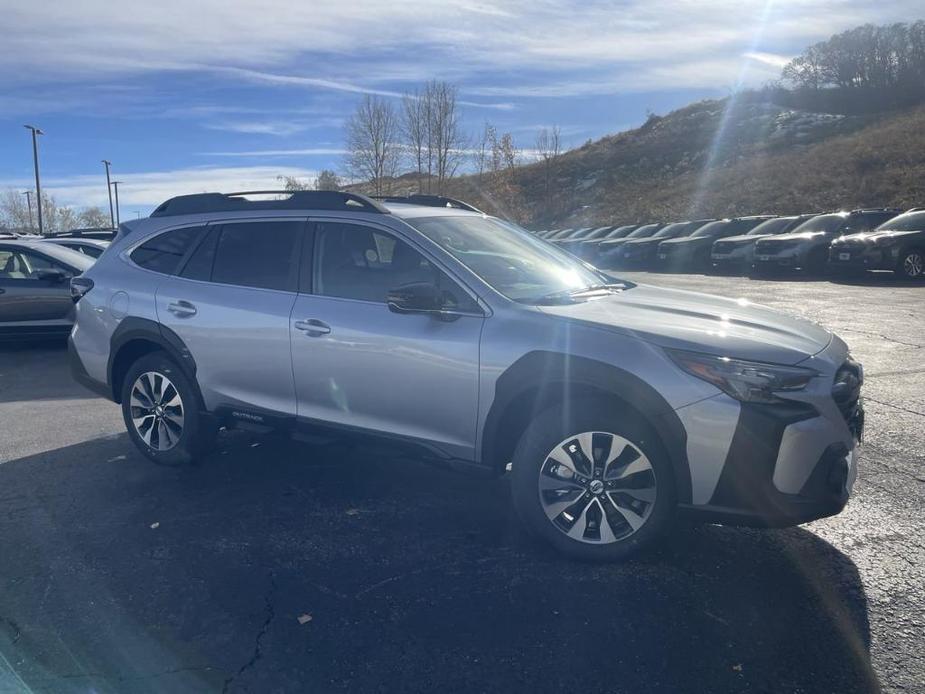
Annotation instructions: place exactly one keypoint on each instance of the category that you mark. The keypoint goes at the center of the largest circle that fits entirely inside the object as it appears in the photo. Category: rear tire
(593, 481)
(162, 410)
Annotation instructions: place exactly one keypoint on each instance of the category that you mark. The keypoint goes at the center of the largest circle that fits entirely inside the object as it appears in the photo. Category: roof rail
(201, 203)
(428, 201)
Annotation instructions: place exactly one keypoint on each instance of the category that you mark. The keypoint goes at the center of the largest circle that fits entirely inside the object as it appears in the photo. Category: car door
(230, 304)
(30, 298)
(359, 364)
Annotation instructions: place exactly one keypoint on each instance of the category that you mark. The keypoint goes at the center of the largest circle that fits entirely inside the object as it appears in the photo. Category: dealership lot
(334, 566)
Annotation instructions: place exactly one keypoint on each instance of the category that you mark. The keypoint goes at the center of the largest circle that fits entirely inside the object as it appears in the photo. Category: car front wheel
(912, 264)
(592, 481)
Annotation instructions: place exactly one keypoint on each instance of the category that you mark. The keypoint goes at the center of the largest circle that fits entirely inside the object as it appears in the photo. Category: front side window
(507, 258)
(362, 263)
(164, 252)
(24, 265)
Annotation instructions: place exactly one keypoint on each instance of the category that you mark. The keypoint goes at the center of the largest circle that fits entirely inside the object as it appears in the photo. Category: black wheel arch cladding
(541, 378)
(138, 330)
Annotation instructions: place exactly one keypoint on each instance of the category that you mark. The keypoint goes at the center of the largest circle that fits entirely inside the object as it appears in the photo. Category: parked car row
(858, 240)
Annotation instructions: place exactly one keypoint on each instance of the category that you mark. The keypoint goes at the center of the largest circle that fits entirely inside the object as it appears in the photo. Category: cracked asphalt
(279, 566)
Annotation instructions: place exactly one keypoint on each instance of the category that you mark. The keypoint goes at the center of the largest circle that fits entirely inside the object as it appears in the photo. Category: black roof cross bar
(330, 200)
(428, 201)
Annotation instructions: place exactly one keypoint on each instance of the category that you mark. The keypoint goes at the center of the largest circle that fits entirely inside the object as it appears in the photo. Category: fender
(540, 378)
(144, 329)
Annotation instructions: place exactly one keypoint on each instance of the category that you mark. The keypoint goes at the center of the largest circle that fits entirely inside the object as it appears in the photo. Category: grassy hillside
(718, 158)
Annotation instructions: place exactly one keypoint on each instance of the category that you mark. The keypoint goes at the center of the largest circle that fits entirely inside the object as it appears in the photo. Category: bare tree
(548, 147)
(372, 142)
(292, 184)
(481, 154)
(446, 139)
(14, 210)
(94, 217)
(327, 180)
(416, 131)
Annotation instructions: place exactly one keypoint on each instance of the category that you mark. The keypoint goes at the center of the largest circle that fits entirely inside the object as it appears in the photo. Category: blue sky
(226, 95)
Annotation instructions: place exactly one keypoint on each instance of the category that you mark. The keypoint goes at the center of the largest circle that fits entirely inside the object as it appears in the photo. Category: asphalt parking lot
(280, 566)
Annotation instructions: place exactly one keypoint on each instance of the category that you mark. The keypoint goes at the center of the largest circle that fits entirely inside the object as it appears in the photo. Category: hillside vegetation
(722, 158)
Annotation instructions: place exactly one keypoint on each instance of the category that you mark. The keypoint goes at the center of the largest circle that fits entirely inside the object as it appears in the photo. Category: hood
(802, 236)
(689, 240)
(613, 243)
(649, 240)
(744, 238)
(873, 236)
(701, 323)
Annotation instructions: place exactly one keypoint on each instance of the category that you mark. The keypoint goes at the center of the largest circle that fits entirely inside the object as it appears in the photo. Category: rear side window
(164, 252)
(255, 254)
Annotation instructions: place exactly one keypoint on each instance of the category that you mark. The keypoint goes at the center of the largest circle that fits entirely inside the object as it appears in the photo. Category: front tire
(162, 412)
(593, 481)
(912, 264)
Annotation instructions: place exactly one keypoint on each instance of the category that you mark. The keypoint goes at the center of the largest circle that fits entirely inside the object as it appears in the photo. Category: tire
(911, 264)
(163, 414)
(616, 522)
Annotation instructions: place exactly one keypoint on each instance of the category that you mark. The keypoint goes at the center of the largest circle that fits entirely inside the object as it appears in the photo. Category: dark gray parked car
(35, 296)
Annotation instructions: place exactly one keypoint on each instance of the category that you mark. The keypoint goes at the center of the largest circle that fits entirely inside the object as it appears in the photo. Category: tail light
(79, 286)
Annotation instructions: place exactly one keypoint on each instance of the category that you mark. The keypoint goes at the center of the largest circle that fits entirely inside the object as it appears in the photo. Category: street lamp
(112, 219)
(115, 186)
(38, 186)
(28, 194)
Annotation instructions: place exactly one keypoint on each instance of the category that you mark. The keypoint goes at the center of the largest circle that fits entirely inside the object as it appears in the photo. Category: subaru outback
(615, 406)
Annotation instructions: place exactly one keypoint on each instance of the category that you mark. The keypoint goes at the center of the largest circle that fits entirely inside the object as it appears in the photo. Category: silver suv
(614, 405)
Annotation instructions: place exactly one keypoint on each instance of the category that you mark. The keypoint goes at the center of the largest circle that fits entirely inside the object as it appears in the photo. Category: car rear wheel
(160, 406)
(592, 481)
(912, 264)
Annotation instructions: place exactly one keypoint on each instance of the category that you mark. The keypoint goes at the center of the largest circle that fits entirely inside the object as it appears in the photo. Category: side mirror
(415, 297)
(54, 276)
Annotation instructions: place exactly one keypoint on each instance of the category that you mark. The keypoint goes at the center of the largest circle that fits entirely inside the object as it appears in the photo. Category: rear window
(257, 254)
(164, 252)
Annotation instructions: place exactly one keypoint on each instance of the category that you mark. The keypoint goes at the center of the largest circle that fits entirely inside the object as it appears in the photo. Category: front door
(358, 364)
(32, 300)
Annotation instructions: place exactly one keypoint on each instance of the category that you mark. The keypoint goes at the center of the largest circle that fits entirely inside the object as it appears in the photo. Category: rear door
(230, 304)
(29, 302)
(358, 364)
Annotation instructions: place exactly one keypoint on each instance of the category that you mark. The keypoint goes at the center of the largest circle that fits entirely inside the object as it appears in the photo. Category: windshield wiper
(567, 295)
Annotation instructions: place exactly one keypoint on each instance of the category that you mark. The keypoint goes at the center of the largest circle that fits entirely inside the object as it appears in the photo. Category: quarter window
(164, 252)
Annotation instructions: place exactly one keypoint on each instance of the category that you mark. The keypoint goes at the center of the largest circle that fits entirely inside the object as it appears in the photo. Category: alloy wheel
(597, 487)
(914, 264)
(156, 410)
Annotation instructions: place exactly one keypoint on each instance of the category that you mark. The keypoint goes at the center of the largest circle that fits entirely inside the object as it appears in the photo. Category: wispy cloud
(308, 151)
(148, 189)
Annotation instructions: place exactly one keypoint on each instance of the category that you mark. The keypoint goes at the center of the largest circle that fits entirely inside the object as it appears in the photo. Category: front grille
(724, 246)
(774, 245)
(846, 389)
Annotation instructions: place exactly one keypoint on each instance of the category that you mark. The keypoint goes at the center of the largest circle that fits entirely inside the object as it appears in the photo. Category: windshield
(772, 226)
(823, 222)
(75, 259)
(620, 232)
(712, 229)
(911, 221)
(507, 257)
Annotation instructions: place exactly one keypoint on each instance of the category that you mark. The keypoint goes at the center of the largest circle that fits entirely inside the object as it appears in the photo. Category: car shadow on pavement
(281, 566)
(19, 364)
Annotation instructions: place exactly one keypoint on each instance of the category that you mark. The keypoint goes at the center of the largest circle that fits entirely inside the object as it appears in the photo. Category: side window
(199, 265)
(22, 265)
(164, 252)
(254, 254)
(358, 262)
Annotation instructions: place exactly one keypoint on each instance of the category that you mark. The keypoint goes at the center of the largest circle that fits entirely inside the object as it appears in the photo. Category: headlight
(747, 381)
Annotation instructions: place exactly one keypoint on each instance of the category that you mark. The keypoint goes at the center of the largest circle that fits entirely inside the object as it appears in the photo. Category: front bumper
(854, 258)
(776, 464)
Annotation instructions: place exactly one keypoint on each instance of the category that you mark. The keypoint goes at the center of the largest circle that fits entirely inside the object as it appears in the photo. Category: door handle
(312, 327)
(182, 309)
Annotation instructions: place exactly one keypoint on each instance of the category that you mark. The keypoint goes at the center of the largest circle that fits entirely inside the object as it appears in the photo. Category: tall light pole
(112, 219)
(115, 186)
(28, 194)
(38, 186)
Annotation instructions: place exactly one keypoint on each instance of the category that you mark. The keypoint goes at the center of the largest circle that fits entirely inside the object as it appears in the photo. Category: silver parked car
(91, 247)
(35, 297)
(615, 405)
